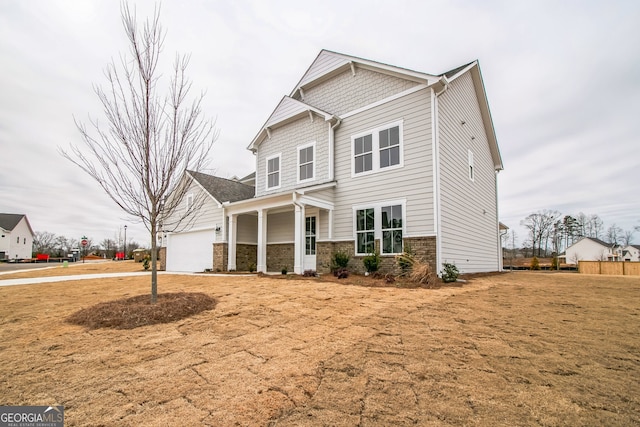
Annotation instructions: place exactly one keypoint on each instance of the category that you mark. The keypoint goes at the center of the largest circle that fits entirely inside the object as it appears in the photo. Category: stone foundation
(246, 257)
(162, 257)
(220, 257)
(280, 256)
(424, 249)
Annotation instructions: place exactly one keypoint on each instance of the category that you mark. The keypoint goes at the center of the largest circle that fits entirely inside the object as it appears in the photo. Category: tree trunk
(154, 266)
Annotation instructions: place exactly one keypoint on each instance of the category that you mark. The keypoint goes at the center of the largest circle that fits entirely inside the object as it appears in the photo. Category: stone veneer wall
(424, 249)
(279, 256)
(162, 257)
(246, 255)
(220, 256)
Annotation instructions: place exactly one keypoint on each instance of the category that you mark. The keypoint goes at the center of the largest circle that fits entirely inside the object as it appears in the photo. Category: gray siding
(468, 208)
(206, 217)
(286, 108)
(324, 62)
(346, 92)
(247, 229)
(413, 182)
(280, 227)
(286, 140)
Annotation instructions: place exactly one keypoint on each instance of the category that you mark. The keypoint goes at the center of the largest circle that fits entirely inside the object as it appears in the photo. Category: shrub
(535, 264)
(309, 273)
(406, 259)
(145, 262)
(252, 268)
(342, 273)
(554, 263)
(421, 273)
(449, 272)
(284, 270)
(372, 262)
(339, 261)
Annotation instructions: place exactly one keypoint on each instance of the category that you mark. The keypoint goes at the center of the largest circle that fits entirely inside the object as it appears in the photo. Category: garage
(190, 251)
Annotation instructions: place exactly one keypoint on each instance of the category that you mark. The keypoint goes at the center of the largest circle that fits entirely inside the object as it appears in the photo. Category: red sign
(84, 242)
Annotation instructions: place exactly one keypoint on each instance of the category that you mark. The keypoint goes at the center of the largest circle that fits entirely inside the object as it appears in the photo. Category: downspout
(332, 142)
(437, 209)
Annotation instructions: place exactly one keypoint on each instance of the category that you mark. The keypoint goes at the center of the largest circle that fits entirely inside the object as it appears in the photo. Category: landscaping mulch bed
(138, 311)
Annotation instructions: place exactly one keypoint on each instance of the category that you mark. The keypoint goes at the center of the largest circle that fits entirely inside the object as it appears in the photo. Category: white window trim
(377, 221)
(266, 172)
(315, 159)
(375, 147)
(471, 168)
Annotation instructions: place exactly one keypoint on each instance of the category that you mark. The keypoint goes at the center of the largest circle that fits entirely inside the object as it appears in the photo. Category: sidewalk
(33, 280)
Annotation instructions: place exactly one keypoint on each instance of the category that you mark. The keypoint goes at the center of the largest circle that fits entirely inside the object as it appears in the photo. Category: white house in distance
(361, 156)
(631, 253)
(16, 237)
(592, 249)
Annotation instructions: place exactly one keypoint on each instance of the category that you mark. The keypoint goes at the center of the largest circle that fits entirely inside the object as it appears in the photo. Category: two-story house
(360, 157)
(16, 237)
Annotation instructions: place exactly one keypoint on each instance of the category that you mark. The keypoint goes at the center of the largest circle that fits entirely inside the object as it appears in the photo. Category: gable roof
(598, 241)
(328, 64)
(288, 110)
(9, 221)
(222, 189)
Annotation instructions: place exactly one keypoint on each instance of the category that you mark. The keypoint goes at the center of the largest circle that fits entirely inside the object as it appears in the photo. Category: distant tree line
(57, 246)
(550, 232)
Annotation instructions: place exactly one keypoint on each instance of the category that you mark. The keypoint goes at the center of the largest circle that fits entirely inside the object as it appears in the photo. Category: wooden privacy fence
(611, 268)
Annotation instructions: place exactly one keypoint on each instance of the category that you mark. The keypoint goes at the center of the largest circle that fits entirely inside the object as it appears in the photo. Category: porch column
(233, 233)
(262, 241)
(298, 242)
(330, 225)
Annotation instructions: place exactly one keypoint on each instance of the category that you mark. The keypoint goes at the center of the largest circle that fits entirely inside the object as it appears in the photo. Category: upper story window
(273, 172)
(377, 149)
(189, 202)
(471, 165)
(306, 162)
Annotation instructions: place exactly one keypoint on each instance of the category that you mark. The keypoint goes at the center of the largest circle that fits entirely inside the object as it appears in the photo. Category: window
(377, 149)
(389, 147)
(306, 155)
(470, 165)
(310, 235)
(365, 231)
(189, 201)
(383, 221)
(24, 241)
(273, 172)
(17, 239)
(392, 229)
(363, 154)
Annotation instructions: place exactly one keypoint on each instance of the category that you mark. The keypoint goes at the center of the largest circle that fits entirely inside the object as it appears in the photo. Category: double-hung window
(273, 172)
(306, 163)
(380, 221)
(365, 231)
(377, 149)
(391, 229)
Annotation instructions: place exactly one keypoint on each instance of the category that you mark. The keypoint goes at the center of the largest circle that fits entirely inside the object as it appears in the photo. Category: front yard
(515, 349)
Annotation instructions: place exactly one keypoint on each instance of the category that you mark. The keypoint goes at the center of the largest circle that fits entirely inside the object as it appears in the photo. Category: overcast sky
(562, 79)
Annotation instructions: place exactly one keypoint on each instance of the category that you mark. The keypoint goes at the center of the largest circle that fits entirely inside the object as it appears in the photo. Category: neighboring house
(592, 249)
(631, 253)
(16, 237)
(360, 157)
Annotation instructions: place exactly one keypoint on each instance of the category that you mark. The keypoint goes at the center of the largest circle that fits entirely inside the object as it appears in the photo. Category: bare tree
(627, 237)
(43, 242)
(150, 139)
(614, 234)
(540, 226)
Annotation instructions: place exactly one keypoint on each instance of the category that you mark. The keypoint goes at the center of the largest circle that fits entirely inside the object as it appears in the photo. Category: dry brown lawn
(516, 349)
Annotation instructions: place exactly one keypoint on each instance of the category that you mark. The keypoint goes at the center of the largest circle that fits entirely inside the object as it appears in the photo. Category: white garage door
(190, 251)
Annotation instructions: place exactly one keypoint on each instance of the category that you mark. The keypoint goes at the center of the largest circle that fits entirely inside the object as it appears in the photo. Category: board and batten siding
(412, 182)
(468, 233)
(285, 141)
(346, 92)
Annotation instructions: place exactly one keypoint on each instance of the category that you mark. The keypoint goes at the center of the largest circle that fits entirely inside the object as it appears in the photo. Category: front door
(309, 262)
